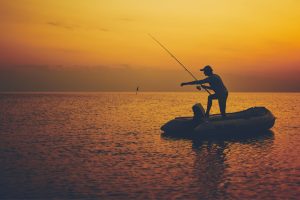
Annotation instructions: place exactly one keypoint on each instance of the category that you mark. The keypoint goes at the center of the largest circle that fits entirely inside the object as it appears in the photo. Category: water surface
(109, 146)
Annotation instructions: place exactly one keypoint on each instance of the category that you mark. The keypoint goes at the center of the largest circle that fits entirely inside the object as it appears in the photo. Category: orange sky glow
(241, 39)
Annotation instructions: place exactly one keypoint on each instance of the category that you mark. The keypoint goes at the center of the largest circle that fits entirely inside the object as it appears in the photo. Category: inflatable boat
(243, 123)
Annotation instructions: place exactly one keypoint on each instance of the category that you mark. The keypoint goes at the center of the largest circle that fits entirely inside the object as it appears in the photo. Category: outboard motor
(199, 112)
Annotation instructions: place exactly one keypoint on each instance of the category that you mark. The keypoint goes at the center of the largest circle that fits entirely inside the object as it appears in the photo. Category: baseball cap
(207, 68)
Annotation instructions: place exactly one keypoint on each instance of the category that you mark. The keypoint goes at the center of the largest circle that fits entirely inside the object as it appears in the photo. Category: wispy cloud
(62, 25)
(67, 50)
(74, 26)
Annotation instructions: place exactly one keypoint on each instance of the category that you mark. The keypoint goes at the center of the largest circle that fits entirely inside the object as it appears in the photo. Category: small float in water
(243, 123)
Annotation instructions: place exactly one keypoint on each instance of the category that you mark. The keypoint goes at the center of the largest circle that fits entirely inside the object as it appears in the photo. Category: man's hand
(206, 87)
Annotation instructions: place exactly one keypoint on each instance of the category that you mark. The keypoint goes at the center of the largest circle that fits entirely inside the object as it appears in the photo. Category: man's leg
(209, 103)
(222, 104)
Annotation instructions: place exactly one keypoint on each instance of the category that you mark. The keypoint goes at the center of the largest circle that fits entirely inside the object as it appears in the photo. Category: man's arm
(199, 82)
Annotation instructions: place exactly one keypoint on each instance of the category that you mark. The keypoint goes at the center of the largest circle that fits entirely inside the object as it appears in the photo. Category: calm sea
(109, 146)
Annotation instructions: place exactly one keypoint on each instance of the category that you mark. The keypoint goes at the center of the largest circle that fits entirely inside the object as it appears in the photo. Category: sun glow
(236, 37)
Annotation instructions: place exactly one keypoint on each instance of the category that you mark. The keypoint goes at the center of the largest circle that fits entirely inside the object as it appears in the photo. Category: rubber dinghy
(243, 123)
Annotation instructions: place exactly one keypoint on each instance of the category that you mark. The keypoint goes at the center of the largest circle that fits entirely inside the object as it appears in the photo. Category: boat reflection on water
(218, 163)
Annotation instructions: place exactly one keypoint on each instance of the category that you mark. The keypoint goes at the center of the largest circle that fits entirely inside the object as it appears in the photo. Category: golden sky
(234, 36)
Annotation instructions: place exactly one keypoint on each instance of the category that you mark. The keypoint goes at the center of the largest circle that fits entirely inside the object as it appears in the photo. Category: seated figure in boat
(216, 84)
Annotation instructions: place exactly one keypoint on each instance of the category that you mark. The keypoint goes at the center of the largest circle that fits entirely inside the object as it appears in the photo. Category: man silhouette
(216, 84)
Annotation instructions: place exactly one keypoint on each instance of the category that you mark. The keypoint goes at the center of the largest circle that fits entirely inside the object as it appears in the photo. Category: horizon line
(146, 91)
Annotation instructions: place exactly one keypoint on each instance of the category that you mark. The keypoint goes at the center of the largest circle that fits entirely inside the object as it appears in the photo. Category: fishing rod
(182, 65)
